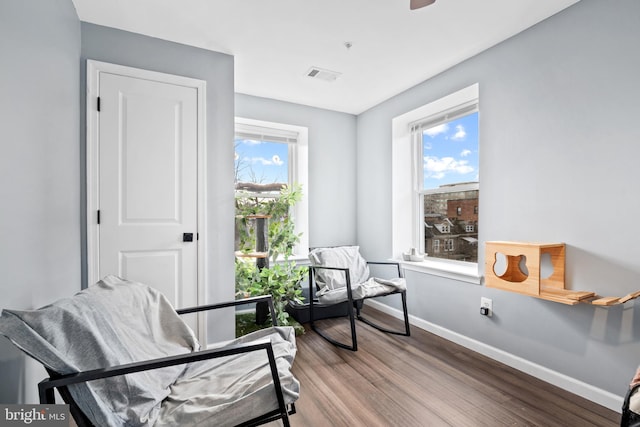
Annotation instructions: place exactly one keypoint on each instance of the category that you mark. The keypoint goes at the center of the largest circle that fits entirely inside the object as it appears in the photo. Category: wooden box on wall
(517, 256)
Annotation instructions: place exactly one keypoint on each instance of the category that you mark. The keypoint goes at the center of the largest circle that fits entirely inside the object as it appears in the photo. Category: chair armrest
(224, 304)
(397, 264)
(46, 386)
(319, 267)
(263, 298)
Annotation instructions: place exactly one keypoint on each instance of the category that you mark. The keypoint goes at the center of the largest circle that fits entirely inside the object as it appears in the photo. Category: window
(268, 155)
(429, 183)
(449, 245)
(442, 228)
(446, 168)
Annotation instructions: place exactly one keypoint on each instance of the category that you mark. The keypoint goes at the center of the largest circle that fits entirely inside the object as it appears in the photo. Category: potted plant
(279, 276)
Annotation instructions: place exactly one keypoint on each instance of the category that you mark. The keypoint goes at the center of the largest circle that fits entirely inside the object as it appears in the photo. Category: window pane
(451, 189)
(261, 162)
(450, 152)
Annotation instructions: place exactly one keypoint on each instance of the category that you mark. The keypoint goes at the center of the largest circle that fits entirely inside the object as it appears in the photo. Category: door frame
(94, 69)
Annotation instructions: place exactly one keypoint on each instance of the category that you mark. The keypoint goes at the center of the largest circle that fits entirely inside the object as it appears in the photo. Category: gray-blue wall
(559, 146)
(39, 169)
(332, 158)
(135, 50)
(42, 76)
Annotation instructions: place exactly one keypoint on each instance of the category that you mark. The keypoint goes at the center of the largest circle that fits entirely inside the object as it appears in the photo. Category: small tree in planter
(282, 278)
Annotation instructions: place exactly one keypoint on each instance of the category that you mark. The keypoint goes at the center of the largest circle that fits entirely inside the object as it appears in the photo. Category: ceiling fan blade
(417, 4)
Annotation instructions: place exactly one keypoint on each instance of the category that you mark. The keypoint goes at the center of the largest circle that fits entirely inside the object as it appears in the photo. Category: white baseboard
(594, 394)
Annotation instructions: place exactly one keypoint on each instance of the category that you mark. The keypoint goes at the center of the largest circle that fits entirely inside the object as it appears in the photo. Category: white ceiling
(275, 42)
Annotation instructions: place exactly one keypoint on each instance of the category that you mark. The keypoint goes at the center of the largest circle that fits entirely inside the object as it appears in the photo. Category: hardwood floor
(423, 380)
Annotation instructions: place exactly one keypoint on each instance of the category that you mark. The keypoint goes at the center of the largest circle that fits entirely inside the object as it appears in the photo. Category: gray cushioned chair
(121, 355)
(342, 274)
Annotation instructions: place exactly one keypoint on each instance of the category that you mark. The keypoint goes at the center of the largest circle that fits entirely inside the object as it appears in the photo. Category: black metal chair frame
(47, 386)
(357, 305)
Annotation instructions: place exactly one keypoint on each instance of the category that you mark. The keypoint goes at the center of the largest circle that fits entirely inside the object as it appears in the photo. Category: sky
(450, 155)
(261, 161)
(450, 152)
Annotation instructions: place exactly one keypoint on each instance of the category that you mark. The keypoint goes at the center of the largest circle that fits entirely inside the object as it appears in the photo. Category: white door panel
(148, 184)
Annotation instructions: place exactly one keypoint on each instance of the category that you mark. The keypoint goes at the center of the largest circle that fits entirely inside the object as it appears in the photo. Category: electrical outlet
(486, 306)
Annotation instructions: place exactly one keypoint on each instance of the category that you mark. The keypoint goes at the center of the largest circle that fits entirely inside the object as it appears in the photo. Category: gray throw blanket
(115, 322)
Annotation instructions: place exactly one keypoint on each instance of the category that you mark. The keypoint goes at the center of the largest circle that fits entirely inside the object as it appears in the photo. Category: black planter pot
(300, 312)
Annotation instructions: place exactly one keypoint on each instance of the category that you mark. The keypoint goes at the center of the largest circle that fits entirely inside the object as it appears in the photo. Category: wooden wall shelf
(527, 256)
(522, 272)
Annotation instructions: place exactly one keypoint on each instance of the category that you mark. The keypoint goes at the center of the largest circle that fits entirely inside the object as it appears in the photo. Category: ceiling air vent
(320, 74)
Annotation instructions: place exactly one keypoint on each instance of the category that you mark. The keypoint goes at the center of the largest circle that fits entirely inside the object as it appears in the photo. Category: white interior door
(148, 185)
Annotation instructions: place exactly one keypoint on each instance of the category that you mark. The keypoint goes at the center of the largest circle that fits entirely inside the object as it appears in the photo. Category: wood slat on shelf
(558, 298)
(565, 296)
(628, 297)
(606, 301)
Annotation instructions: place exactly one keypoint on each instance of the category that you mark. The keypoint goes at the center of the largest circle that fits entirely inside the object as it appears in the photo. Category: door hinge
(98, 103)
(98, 217)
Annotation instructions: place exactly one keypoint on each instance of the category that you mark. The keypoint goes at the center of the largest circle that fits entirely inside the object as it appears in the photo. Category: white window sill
(464, 272)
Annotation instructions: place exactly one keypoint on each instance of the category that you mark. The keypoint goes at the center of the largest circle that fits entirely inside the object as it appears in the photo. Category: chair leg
(285, 420)
(352, 321)
(407, 330)
(406, 314)
(352, 324)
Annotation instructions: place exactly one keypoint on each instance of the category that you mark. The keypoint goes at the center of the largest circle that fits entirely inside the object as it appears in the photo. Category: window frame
(406, 207)
(298, 162)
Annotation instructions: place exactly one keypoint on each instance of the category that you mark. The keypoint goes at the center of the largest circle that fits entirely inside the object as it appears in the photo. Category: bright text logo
(36, 415)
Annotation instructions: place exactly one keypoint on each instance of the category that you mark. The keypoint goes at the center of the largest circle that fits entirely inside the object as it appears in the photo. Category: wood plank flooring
(423, 380)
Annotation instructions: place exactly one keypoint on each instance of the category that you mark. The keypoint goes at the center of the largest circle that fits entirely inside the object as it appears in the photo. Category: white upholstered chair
(340, 275)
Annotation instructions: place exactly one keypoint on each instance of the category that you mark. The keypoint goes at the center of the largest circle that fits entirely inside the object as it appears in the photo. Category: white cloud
(437, 130)
(465, 153)
(460, 133)
(260, 160)
(437, 168)
(275, 160)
